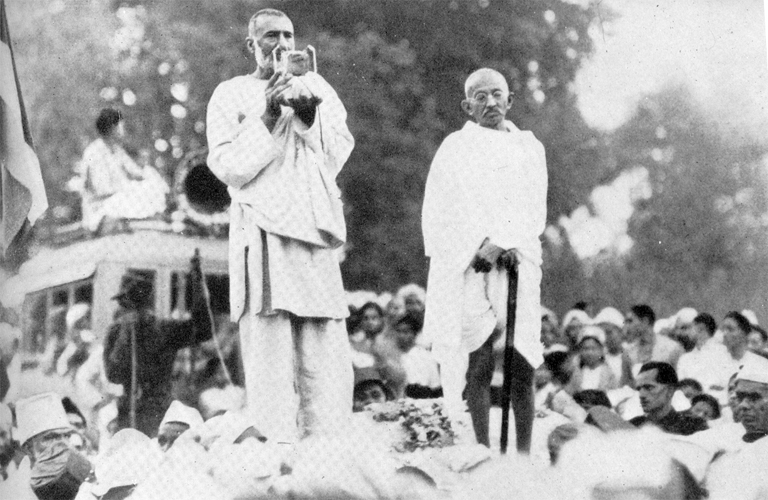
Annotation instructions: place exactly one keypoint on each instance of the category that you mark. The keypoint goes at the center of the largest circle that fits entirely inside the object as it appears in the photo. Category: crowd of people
(688, 382)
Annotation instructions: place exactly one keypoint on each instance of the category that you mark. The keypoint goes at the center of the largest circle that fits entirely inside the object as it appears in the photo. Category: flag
(22, 193)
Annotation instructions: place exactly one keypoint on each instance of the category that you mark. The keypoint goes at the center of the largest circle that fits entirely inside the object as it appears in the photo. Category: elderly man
(643, 344)
(278, 140)
(485, 208)
(44, 433)
(656, 383)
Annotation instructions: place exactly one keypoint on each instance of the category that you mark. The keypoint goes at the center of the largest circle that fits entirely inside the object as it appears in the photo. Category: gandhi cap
(755, 369)
(179, 412)
(40, 413)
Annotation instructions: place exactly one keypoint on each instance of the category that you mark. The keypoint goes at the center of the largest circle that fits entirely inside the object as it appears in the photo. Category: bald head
(484, 76)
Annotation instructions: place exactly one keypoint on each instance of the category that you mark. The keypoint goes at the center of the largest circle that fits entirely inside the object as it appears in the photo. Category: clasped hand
(280, 91)
(489, 255)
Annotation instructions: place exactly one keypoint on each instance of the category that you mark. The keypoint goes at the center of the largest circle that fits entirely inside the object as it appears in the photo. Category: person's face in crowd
(406, 337)
(572, 332)
(689, 391)
(633, 327)
(654, 397)
(548, 333)
(755, 342)
(371, 394)
(6, 447)
(752, 400)
(48, 442)
(685, 330)
(733, 401)
(591, 352)
(733, 336)
(488, 101)
(701, 332)
(413, 304)
(169, 433)
(704, 410)
(395, 310)
(270, 33)
(371, 322)
(613, 337)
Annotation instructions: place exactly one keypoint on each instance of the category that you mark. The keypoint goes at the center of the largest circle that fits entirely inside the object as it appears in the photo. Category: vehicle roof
(79, 260)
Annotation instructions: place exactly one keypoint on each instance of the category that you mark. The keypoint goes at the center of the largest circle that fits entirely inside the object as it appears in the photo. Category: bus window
(84, 293)
(149, 275)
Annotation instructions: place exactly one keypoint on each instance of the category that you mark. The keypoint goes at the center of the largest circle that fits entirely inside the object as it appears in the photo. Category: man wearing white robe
(278, 141)
(485, 201)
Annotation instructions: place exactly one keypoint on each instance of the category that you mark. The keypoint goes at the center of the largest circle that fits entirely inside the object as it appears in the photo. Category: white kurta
(282, 183)
(285, 283)
(483, 184)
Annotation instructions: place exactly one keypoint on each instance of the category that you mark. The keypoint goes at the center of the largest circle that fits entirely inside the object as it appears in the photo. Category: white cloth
(283, 183)
(285, 283)
(297, 373)
(712, 366)
(109, 190)
(421, 368)
(483, 184)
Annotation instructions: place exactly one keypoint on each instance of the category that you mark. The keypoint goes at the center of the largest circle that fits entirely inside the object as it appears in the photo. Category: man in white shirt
(709, 362)
(278, 140)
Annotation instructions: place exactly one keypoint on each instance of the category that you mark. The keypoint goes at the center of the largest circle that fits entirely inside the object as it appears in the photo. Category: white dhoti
(484, 186)
(297, 373)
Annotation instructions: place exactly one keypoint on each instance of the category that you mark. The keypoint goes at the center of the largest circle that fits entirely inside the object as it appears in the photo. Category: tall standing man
(485, 203)
(278, 141)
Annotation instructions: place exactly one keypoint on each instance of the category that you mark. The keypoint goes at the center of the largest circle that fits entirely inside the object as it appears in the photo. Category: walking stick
(207, 298)
(511, 266)
(134, 376)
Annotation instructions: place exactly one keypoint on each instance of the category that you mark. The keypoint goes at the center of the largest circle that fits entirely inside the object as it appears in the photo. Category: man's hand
(305, 107)
(489, 255)
(276, 86)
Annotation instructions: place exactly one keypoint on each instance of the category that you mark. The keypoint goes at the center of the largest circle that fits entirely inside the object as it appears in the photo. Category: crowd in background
(604, 372)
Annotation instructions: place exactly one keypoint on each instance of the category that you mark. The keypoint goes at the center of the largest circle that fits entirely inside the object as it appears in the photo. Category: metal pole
(134, 374)
(207, 298)
(508, 354)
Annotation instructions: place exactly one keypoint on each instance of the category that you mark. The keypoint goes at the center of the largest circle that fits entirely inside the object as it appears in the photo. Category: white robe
(283, 183)
(483, 184)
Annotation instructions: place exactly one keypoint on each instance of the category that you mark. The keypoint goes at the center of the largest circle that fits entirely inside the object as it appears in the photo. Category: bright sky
(715, 47)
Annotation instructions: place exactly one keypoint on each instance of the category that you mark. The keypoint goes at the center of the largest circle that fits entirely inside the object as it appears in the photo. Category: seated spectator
(177, 419)
(590, 370)
(612, 323)
(421, 369)
(736, 329)
(708, 362)
(643, 344)
(44, 433)
(370, 323)
(656, 383)
(683, 330)
(690, 388)
(370, 391)
(705, 407)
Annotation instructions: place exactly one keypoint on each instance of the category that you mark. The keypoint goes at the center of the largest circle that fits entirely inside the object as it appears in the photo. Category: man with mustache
(278, 138)
(484, 209)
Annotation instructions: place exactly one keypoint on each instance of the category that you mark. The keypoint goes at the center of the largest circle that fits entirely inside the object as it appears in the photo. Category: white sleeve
(239, 146)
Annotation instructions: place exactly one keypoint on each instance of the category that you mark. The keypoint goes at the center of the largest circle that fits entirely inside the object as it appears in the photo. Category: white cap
(755, 369)
(685, 315)
(592, 331)
(40, 413)
(76, 313)
(179, 412)
(609, 315)
(131, 456)
(750, 315)
(663, 324)
(576, 315)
